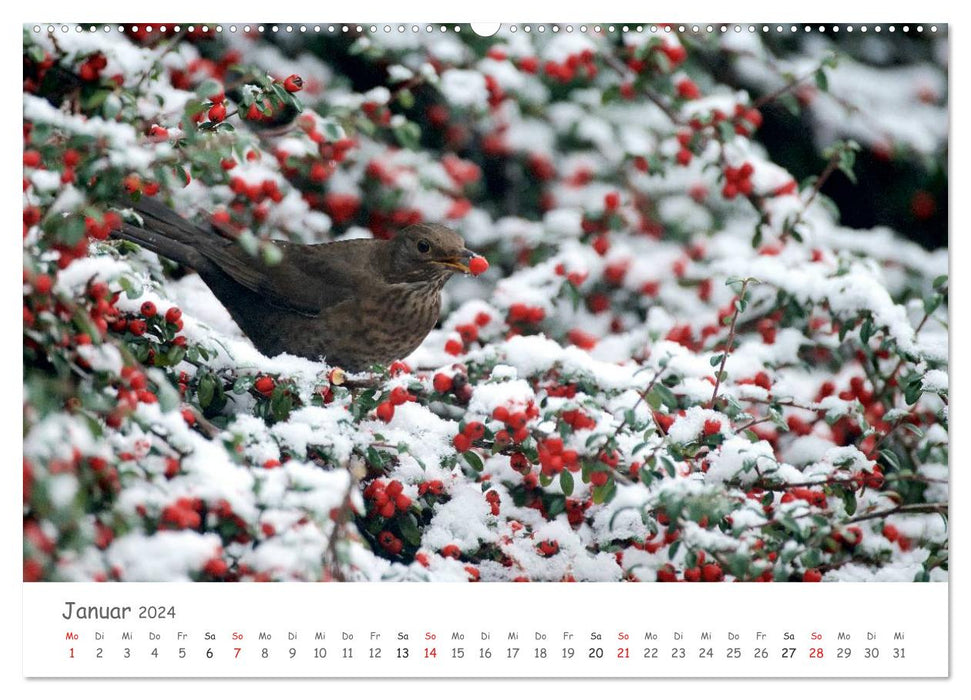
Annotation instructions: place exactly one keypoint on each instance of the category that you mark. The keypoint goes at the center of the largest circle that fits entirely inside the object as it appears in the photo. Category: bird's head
(428, 253)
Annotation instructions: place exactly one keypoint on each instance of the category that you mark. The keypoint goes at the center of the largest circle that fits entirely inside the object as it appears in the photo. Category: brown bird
(355, 303)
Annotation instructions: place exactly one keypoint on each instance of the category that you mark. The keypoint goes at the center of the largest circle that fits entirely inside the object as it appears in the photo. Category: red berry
(529, 64)
(683, 157)
(474, 430)
(158, 133)
(754, 117)
(398, 396)
(712, 572)
(149, 309)
(385, 411)
(712, 426)
(812, 576)
(132, 183)
(454, 347)
(265, 385)
(601, 244)
(294, 83)
(478, 265)
(501, 413)
(517, 421)
(217, 112)
(462, 443)
(442, 383)
(42, 284)
(137, 327)
(32, 159)
(173, 314)
(216, 567)
(688, 90)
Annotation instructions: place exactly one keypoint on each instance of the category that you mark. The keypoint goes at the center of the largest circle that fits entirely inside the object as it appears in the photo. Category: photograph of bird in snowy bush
(566, 303)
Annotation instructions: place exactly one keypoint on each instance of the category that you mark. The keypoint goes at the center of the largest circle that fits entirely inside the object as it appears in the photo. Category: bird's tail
(164, 232)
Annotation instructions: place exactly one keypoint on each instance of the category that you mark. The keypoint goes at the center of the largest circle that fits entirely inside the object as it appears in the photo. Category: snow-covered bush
(679, 366)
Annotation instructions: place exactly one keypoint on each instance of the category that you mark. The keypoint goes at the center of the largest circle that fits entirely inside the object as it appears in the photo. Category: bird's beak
(459, 262)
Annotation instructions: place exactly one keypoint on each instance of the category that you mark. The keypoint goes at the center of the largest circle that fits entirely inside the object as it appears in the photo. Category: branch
(941, 508)
(623, 71)
(728, 347)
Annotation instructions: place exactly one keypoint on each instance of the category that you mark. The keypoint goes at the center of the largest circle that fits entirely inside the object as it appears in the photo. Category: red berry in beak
(478, 265)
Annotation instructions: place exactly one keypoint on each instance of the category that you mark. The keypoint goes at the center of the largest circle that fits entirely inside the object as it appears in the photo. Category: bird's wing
(307, 280)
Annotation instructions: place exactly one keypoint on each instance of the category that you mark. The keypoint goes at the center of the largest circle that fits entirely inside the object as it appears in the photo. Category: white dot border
(690, 29)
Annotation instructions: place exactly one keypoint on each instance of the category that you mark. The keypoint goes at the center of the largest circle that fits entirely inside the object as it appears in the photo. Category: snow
(465, 88)
(164, 556)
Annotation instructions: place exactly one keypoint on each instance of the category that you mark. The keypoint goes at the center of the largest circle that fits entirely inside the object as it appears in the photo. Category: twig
(752, 423)
(940, 508)
(173, 42)
(642, 398)
(331, 556)
(728, 347)
(823, 177)
(779, 92)
(622, 70)
(900, 363)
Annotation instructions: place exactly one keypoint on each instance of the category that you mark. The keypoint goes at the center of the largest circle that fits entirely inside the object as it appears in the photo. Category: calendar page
(520, 350)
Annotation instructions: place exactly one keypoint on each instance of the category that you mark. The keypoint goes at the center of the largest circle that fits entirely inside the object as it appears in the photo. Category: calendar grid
(307, 630)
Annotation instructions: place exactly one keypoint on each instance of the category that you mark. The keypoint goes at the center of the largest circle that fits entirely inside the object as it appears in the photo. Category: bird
(354, 304)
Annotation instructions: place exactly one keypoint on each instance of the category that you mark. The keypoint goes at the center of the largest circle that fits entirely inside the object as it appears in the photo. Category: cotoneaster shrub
(679, 365)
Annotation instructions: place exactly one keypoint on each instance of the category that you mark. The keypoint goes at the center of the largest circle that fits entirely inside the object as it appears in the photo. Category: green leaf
(174, 355)
(715, 360)
(790, 102)
(849, 501)
(375, 458)
(555, 505)
(409, 530)
(662, 395)
(406, 99)
(280, 405)
(206, 390)
(847, 159)
(910, 427)
(603, 494)
(408, 135)
(566, 482)
(474, 460)
(913, 390)
(668, 465)
(821, 81)
(890, 458)
(866, 330)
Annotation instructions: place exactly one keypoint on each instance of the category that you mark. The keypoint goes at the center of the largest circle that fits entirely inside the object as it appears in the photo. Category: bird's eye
(424, 246)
